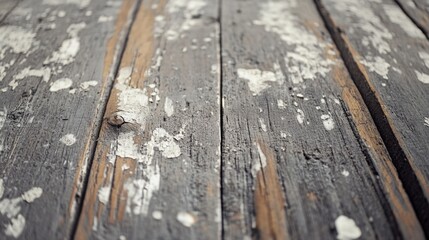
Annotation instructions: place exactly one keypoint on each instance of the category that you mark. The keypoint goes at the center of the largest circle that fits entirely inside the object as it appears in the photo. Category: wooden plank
(301, 155)
(388, 58)
(6, 6)
(56, 65)
(418, 11)
(156, 172)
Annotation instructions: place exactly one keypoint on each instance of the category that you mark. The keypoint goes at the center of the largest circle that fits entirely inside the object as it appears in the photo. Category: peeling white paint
(346, 228)
(345, 173)
(15, 227)
(79, 3)
(259, 80)
(85, 85)
(104, 194)
(306, 60)
(328, 122)
(60, 84)
(263, 125)
(1, 188)
(396, 15)
(259, 163)
(103, 19)
(425, 57)
(422, 77)
(377, 64)
(68, 139)
(426, 122)
(17, 39)
(281, 104)
(69, 48)
(185, 218)
(190, 9)
(168, 107)
(157, 215)
(3, 115)
(32, 194)
(127, 147)
(300, 116)
(44, 73)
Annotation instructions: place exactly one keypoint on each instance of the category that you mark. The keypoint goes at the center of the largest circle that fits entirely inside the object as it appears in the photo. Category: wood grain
(294, 121)
(47, 128)
(418, 11)
(156, 171)
(385, 54)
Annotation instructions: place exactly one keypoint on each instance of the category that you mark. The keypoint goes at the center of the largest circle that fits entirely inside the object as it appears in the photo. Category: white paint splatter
(79, 3)
(1, 188)
(328, 122)
(18, 39)
(259, 163)
(425, 57)
(44, 73)
(185, 218)
(3, 115)
(168, 107)
(190, 9)
(157, 215)
(104, 194)
(103, 19)
(377, 64)
(281, 104)
(85, 85)
(426, 122)
(259, 80)
(263, 125)
(300, 116)
(345, 173)
(346, 228)
(15, 227)
(32, 194)
(69, 48)
(396, 15)
(306, 60)
(68, 139)
(60, 84)
(422, 77)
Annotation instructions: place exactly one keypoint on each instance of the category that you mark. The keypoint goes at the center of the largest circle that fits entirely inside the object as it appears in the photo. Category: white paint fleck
(345, 173)
(281, 104)
(32, 194)
(328, 122)
(69, 48)
(259, 80)
(61, 14)
(259, 163)
(422, 77)
(15, 227)
(85, 85)
(1, 188)
(300, 116)
(68, 139)
(190, 9)
(127, 147)
(346, 228)
(60, 84)
(377, 64)
(3, 115)
(168, 107)
(396, 15)
(18, 39)
(426, 122)
(103, 19)
(263, 125)
(306, 59)
(157, 215)
(79, 3)
(283, 134)
(425, 57)
(104, 194)
(185, 218)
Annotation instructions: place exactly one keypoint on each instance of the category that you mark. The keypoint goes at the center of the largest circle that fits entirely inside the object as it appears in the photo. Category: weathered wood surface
(418, 11)
(299, 146)
(388, 58)
(55, 62)
(156, 171)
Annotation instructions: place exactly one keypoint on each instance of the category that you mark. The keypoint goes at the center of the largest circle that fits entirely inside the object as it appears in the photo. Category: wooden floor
(214, 119)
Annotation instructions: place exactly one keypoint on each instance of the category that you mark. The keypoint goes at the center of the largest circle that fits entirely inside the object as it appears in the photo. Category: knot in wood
(115, 120)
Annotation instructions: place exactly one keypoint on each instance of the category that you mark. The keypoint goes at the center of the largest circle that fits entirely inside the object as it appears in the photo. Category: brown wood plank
(56, 64)
(299, 146)
(418, 11)
(388, 59)
(156, 171)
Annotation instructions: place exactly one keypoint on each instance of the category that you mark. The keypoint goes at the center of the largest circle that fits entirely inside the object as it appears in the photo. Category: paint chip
(85, 85)
(157, 215)
(259, 80)
(60, 84)
(104, 195)
(168, 107)
(68, 139)
(346, 228)
(186, 219)
(328, 122)
(32, 194)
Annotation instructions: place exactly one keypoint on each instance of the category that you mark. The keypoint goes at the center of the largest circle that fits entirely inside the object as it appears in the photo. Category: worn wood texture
(388, 58)
(299, 146)
(156, 171)
(55, 68)
(418, 11)
(6, 6)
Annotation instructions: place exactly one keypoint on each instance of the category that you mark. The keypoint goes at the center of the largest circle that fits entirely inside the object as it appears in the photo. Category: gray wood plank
(56, 63)
(418, 11)
(388, 58)
(301, 155)
(156, 171)
(6, 6)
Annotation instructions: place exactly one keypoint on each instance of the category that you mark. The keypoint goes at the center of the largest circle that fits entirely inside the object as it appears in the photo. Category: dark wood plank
(156, 171)
(418, 11)
(56, 64)
(388, 59)
(301, 155)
